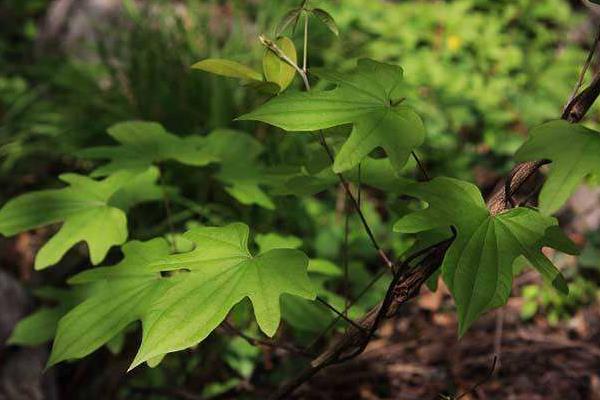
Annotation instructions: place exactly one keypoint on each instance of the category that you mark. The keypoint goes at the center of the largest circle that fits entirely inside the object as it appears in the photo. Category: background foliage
(480, 73)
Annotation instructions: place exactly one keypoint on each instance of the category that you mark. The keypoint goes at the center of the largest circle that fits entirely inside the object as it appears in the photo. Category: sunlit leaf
(231, 69)
(275, 69)
(181, 298)
(86, 210)
(370, 98)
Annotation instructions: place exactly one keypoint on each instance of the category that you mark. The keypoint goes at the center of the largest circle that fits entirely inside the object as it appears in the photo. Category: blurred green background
(481, 74)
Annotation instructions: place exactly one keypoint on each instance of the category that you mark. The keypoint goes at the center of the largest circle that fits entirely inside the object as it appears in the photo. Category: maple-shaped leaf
(181, 298)
(91, 211)
(145, 143)
(370, 97)
(575, 154)
(478, 265)
(303, 314)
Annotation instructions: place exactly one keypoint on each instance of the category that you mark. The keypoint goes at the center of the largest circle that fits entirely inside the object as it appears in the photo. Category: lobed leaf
(86, 210)
(575, 154)
(181, 298)
(143, 144)
(369, 98)
(478, 265)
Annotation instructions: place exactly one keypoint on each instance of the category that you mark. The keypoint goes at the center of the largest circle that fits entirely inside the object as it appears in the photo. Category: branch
(404, 287)
(266, 343)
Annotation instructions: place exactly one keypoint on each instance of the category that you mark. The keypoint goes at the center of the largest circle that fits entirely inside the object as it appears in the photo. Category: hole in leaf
(170, 273)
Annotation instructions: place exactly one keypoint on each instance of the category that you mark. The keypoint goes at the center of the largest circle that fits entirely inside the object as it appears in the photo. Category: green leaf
(139, 189)
(240, 171)
(243, 184)
(181, 298)
(369, 98)
(85, 209)
(290, 18)
(575, 154)
(40, 326)
(326, 19)
(264, 87)
(272, 241)
(231, 69)
(275, 69)
(478, 265)
(145, 143)
(229, 146)
(241, 356)
(154, 361)
(37, 328)
(302, 314)
(324, 267)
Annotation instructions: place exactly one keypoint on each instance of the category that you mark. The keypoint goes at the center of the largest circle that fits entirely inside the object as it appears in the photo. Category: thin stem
(356, 206)
(498, 335)
(168, 213)
(482, 381)
(261, 342)
(359, 184)
(421, 166)
(269, 44)
(336, 319)
(338, 313)
(346, 257)
(305, 48)
(404, 267)
(584, 70)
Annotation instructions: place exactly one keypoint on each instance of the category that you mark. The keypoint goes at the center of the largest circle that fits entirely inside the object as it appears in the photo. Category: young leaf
(228, 68)
(145, 143)
(326, 19)
(290, 18)
(478, 265)
(575, 153)
(369, 98)
(85, 209)
(275, 69)
(182, 308)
